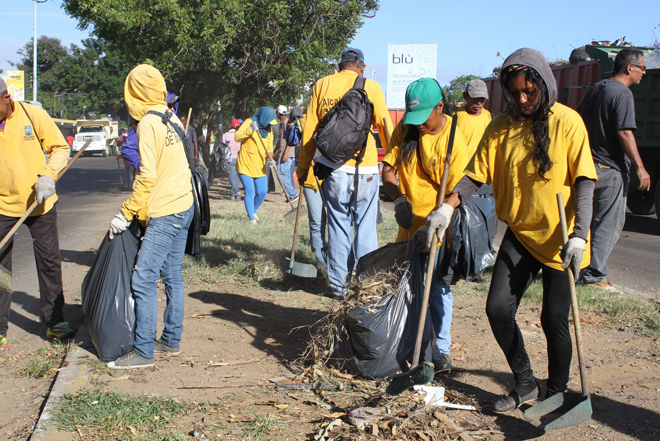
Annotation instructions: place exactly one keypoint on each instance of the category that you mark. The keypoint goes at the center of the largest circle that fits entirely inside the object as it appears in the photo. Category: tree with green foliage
(243, 54)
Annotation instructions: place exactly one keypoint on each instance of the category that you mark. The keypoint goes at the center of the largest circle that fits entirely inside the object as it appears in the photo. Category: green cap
(421, 97)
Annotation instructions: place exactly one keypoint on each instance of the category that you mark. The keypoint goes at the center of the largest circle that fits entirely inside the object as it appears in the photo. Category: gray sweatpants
(607, 222)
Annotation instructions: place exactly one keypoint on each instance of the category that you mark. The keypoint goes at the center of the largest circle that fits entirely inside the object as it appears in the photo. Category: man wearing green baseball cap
(417, 152)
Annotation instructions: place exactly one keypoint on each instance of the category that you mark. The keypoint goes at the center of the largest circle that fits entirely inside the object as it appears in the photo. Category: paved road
(634, 265)
(89, 196)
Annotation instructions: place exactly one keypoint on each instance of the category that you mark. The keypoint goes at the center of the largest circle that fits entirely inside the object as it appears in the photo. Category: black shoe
(443, 364)
(513, 401)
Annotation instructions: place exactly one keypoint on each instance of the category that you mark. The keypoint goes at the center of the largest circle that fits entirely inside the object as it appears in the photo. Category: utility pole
(34, 56)
(373, 71)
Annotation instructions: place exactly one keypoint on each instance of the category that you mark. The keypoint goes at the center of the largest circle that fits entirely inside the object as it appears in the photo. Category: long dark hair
(411, 138)
(540, 126)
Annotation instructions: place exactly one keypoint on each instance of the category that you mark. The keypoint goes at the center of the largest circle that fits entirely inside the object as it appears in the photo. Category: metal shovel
(569, 408)
(296, 268)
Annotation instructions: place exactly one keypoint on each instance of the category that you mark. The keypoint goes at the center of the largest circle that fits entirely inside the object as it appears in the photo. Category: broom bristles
(422, 374)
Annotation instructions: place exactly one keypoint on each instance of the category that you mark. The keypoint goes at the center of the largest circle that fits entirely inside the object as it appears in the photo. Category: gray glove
(254, 126)
(118, 225)
(419, 239)
(438, 221)
(272, 163)
(403, 212)
(571, 255)
(45, 188)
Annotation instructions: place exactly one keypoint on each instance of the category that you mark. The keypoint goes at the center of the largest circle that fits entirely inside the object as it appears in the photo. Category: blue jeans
(345, 247)
(317, 221)
(233, 178)
(255, 193)
(286, 169)
(606, 224)
(441, 302)
(160, 257)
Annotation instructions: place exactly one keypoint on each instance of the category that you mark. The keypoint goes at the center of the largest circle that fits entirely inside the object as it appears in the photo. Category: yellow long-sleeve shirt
(251, 159)
(326, 93)
(22, 158)
(162, 185)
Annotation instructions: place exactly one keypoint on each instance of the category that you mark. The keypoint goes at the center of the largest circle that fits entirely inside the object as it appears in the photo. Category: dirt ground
(237, 338)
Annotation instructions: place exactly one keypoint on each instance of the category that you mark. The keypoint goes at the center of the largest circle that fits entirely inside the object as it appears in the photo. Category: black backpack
(343, 132)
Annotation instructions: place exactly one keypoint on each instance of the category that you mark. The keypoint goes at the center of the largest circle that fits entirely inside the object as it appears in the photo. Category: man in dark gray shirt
(608, 110)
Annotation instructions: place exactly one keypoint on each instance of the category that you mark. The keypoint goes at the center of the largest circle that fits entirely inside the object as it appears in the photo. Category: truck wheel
(642, 204)
(105, 153)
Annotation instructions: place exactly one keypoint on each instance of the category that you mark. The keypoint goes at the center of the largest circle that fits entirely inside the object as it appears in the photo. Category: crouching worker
(531, 152)
(417, 152)
(162, 188)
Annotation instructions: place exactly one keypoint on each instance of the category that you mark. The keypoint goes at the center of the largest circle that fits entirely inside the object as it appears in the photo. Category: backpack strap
(166, 119)
(32, 124)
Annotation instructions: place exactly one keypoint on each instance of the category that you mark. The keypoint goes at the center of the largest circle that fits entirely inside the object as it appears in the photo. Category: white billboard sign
(407, 63)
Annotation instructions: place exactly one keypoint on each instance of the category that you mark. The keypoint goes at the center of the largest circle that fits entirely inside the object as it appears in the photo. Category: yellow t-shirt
(326, 93)
(473, 128)
(526, 203)
(22, 159)
(251, 159)
(162, 185)
(421, 175)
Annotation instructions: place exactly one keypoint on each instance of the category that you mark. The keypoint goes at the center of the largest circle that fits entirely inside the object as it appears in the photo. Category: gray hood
(535, 60)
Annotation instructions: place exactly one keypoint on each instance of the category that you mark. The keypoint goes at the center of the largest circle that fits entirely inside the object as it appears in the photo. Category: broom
(6, 287)
(423, 373)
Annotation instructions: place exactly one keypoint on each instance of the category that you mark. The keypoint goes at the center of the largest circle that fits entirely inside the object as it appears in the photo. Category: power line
(5, 15)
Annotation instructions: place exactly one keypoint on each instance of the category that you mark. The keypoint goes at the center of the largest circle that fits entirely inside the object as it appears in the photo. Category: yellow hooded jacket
(162, 186)
(22, 159)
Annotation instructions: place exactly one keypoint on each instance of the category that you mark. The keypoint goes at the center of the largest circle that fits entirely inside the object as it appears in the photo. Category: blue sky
(469, 35)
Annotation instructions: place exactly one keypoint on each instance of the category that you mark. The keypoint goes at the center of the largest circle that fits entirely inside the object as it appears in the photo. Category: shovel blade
(560, 411)
(301, 269)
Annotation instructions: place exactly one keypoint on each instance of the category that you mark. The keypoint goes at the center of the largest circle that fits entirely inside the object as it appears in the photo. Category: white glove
(45, 188)
(254, 126)
(419, 239)
(571, 255)
(272, 163)
(438, 221)
(118, 225)
(403, 212)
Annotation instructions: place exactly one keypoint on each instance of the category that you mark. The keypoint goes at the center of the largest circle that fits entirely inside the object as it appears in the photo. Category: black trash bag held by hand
(107, 301)
(380, 337)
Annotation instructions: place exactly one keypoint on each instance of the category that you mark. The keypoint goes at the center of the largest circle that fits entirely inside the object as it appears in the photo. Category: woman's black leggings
(515, 269)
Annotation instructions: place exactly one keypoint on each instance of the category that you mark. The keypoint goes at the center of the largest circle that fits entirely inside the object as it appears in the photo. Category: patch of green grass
(639, 313)
(45, 361)
(235, 251)
(115, 416)
(259, 428)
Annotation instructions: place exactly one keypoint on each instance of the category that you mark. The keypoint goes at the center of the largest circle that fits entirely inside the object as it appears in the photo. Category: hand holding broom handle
(35, 203)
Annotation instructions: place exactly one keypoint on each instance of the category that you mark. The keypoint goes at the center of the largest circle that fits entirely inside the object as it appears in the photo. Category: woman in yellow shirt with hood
(256, 138)
(531, 152)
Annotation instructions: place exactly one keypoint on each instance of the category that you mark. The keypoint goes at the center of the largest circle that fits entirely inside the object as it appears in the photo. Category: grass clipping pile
(361, 408)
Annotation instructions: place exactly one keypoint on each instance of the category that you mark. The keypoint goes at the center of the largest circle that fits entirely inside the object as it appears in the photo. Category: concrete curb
(73, 376)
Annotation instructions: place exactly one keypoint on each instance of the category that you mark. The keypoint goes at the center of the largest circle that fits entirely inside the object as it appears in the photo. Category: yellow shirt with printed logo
(523, 201)
(23, 160)
(251, 159)
(326, 93)
(421, 175)
(473, 128)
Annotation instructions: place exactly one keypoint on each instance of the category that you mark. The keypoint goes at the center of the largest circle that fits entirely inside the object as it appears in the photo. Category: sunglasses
(641, 66)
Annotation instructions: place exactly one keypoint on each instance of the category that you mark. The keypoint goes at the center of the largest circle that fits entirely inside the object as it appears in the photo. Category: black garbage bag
(380, 337)
(107, 300)
(468, 246)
